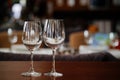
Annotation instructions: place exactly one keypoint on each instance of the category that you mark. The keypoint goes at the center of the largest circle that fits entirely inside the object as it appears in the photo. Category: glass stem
(11, 47)
(53, 64)
(31, 68)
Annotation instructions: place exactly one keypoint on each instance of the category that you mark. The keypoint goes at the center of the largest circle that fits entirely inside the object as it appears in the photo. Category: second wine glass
(88, 37)
(114, 39)
(32, 39)
(53, 36)
(12, 37)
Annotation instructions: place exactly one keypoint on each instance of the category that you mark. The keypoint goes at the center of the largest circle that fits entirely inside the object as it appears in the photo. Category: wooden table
(11, 70)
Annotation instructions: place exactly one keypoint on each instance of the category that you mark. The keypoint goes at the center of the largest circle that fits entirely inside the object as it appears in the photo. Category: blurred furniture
(11, 70)
(85, 49)
(97, 56)
(76, 39)
(4, 42)
(20, 53)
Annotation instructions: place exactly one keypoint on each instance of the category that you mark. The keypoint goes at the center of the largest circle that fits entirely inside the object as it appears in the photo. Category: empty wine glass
(88, 37)
(32, 39)
(53, 36)
(114, 41)
(12, 37)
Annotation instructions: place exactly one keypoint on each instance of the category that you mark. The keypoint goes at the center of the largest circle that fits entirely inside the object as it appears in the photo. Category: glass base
(55, 74)
(33, 73)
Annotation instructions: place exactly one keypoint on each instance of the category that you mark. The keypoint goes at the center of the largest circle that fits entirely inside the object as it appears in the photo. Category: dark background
(76, 18)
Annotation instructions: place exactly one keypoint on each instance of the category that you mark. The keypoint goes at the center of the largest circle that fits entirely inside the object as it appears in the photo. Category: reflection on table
(11, 70)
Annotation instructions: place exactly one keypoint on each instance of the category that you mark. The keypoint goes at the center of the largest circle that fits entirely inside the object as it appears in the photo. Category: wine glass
(12, 37)
(114, 41)
(53, 37)
(32, 39)
(88, 37)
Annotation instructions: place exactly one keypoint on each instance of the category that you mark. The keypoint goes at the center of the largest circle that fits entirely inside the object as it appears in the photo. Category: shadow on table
(100, 56)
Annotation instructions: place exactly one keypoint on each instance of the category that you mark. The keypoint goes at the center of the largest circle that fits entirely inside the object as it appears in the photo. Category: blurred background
(78, 15)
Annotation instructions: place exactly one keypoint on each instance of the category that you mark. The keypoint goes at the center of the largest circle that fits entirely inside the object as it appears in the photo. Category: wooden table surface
(11, 70)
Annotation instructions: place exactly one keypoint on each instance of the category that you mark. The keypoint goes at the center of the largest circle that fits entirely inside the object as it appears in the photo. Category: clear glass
(54, 36)
(114, 40)
(88, 37)
(12, 37)
(32, 39)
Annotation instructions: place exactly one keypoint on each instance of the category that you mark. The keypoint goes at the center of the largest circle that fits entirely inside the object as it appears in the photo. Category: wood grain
(11, 70)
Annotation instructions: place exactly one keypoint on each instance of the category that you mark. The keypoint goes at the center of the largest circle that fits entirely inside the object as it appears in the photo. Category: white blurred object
(86, 33)
(16, 9)
(71, 3)
(23, 2)
(85, 49)
(114, 41)
(12, 37)
(88, 37)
